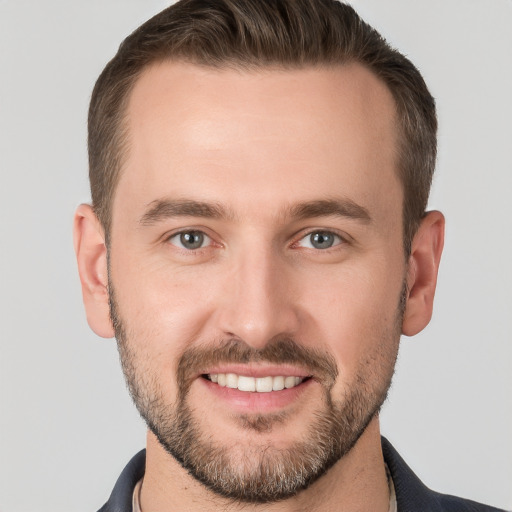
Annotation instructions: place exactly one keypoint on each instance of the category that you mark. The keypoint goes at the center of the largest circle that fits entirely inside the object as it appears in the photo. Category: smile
(255, 384)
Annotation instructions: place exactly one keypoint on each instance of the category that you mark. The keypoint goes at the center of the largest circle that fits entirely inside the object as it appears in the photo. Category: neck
(357, 482)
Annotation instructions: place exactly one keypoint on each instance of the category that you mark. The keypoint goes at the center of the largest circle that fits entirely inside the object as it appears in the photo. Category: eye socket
(190, 240)
(320, 240)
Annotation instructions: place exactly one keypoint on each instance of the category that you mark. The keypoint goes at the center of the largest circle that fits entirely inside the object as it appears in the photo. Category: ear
(91, 255)
(426, 250)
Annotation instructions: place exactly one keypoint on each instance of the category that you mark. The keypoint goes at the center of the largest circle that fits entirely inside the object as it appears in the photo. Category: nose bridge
(260, 305)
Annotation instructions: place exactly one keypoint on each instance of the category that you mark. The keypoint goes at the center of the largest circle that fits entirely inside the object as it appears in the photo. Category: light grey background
(67, 426)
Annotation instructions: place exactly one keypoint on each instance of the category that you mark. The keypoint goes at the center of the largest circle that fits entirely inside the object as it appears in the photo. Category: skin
(258, 143)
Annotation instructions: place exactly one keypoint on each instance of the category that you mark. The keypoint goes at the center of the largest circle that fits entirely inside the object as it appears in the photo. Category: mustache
(281, 350)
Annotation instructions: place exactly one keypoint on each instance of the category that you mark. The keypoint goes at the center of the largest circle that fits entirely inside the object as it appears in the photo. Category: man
(257, 243)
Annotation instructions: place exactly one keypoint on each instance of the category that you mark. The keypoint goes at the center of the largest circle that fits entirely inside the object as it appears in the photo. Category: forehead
(266, 136)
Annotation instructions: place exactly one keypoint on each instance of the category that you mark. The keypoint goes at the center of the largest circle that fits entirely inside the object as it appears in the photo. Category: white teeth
(258, 384)
(264, 384)
(246, 383)
(278, 383)
(289, 382)
(231, 380)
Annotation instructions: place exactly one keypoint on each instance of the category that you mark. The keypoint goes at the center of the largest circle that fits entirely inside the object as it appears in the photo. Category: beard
(254, 472)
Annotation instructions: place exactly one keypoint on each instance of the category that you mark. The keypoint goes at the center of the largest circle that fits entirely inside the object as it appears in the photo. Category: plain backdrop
(67, 426)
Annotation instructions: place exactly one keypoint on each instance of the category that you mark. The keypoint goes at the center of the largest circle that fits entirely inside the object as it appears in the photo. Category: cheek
(356, 318)
(158, 293)
(164, 311)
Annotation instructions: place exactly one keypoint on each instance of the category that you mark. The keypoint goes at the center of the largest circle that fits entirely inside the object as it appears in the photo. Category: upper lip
(259, 370)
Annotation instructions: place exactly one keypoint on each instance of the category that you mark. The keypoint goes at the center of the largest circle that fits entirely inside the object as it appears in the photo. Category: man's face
(256, 245)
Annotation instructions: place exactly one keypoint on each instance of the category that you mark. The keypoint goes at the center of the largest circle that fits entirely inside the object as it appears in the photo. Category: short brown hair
(253, 34)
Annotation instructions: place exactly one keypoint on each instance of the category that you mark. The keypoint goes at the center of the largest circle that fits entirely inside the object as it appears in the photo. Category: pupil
(192, 239)
(322, 240)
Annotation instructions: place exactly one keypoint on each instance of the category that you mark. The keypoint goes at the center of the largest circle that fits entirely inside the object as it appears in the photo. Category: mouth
(258, 389)
(250, 384)
(257, 394)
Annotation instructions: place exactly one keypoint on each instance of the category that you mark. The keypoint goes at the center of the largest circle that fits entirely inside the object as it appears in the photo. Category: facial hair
(250, 473)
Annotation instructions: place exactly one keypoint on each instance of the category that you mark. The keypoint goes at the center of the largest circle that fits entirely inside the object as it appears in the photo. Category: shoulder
(455, 504)
(121, 498)
(412, 495)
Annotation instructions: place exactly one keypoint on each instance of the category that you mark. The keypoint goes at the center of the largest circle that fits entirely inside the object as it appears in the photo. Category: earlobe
(91, 255)
(424, 260)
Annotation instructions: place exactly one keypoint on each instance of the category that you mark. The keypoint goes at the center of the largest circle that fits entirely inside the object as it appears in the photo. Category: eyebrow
(162, 209)
(330, 207)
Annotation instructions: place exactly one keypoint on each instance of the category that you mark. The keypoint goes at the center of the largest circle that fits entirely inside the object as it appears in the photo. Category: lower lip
(253, 402)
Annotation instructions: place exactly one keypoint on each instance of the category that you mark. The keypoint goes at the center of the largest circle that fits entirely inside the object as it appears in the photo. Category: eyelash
(190, 231)
(339, 240)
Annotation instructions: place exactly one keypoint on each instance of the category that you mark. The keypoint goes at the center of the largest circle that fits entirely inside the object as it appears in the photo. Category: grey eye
(320, 240)
(190, 240)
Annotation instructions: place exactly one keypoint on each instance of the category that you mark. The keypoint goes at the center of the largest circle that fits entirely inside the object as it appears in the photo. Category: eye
(320, 240)
(190, 240)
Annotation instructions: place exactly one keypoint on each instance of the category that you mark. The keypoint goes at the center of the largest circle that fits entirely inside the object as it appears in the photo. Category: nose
(259, 299)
